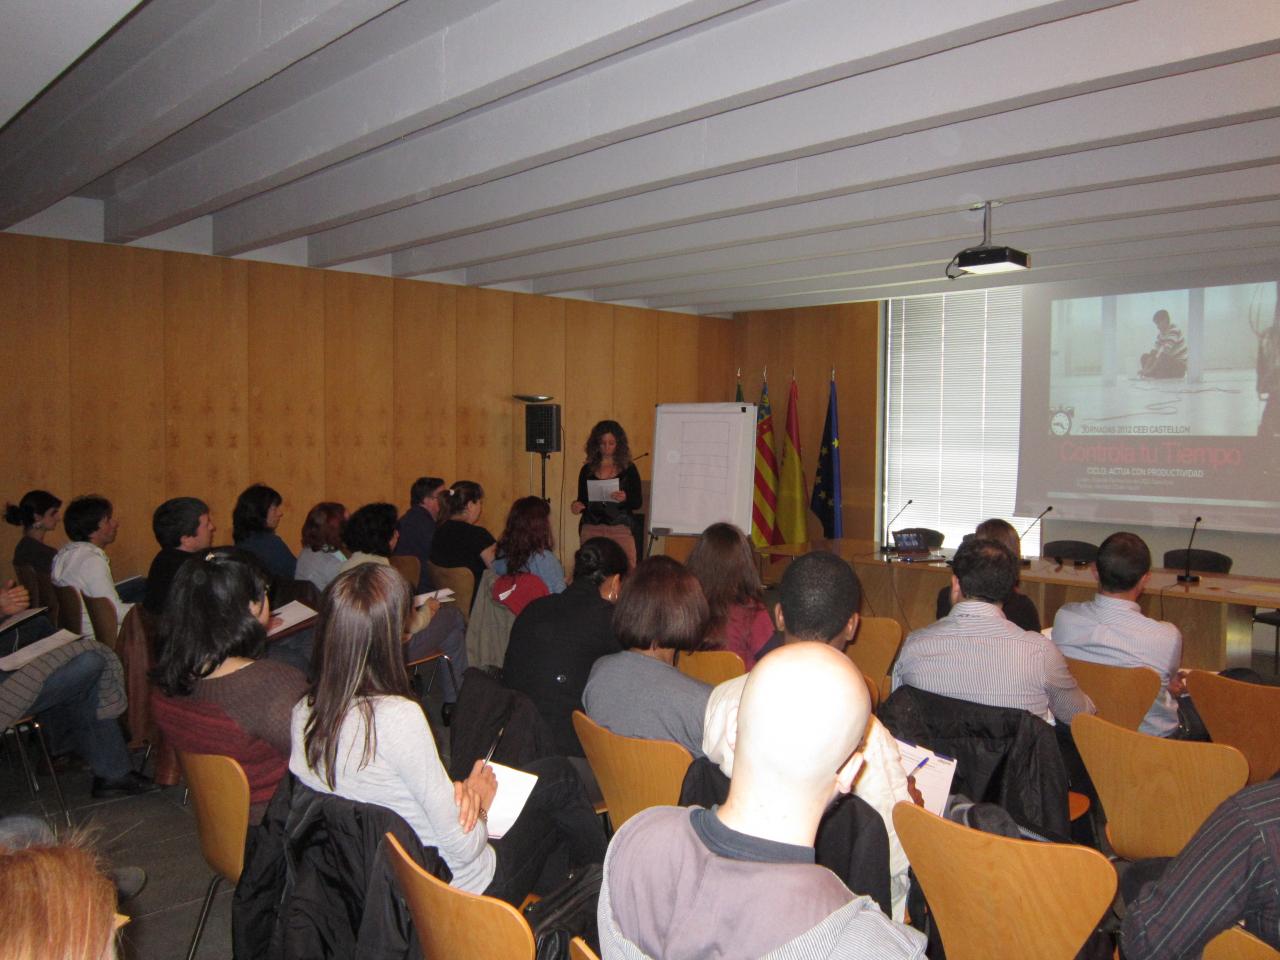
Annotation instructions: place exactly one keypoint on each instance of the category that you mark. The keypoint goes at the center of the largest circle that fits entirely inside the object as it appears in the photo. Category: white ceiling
(701, 155)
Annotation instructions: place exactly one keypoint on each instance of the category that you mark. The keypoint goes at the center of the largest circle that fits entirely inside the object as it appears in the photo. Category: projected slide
(1137, 404)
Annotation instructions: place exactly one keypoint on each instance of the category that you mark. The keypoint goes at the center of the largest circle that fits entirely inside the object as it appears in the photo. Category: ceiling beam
(169, 65)
(493, 53)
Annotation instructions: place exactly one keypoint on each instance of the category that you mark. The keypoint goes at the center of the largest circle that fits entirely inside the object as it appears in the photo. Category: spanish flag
(793, 498)
(764, 526)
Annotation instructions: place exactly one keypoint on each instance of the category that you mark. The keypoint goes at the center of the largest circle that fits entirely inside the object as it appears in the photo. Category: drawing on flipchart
(703, 456)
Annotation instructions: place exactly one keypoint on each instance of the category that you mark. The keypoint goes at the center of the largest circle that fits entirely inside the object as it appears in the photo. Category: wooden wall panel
(426, 342)
(635, 379)
(358, 347)
(35, 413)
(539, 368)
(485, 364)
(677, 359)
(117, 402)
(206, 382)
(717, 363)
(588, 391)
(856, 344)
(286, 391)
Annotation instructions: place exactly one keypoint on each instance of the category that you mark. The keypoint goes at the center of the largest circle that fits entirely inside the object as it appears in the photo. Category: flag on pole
(793, 498)
(738, 397)
(764, 525)
(826, 502)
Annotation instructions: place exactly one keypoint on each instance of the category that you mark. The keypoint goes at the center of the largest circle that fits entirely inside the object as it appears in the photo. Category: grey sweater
(638, 696)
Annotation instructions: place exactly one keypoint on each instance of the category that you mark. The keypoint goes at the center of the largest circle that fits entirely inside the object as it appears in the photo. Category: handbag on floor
(568, 911)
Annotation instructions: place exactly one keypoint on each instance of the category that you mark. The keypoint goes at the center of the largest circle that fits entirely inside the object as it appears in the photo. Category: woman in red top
(725, 566)
(215, 695)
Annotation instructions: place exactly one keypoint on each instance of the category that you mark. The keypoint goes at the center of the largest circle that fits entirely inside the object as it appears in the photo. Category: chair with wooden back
(70, 609)
(457, 579)
(452, 923)
(410, 568)
(998, 897)
(875, 647)
(711, 666)
(1155, 793)
(1123, 695)
(873, 691)
(1236, 943)
(579, 949)
(102, 614)
(633, 774)
(1243, 715)
(220, 795)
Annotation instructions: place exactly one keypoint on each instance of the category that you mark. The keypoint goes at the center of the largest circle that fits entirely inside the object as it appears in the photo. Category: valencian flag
(793, 498)
(764, 525)
(826, 483)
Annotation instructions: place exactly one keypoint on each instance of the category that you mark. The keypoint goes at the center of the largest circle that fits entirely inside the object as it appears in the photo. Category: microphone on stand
(886, 548)
(1187, 576)
(1026, 561)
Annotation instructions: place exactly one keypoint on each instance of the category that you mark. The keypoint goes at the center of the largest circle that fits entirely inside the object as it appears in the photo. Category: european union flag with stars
(826, 501)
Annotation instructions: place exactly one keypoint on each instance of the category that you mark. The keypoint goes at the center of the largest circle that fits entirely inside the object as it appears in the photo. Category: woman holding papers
(360, 734)
(215, 695)
(608, 488)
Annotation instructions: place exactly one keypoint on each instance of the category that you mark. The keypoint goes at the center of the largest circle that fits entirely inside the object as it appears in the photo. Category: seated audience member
(370, 536)
(77, 692)
(215, 693)
(460, 541)
(1111, 628)
(360, 734)
(638, 692)
(82, 563)
(975, 654)
(417, 527)
(726, 568)
(182, 527)
(1228, 873)
(740, 880)
(253, 527)
(322, 557)
(557, 639)
(818, 601)
(57, 904)
(37, 514)
(526, 544)
(1019, 609)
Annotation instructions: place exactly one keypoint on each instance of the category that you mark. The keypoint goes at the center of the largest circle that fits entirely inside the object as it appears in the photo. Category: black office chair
(1202, 561)
(932, 538)
(1070, 551)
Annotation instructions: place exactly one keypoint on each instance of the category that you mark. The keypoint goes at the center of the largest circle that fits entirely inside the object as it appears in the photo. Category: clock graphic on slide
(1060, 421)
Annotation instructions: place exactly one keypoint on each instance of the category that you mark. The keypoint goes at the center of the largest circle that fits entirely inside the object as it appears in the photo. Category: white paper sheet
(601, 490)
(514, 787)
(933, 780)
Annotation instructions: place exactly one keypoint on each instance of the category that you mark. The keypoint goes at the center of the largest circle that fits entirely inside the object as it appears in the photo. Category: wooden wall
(143, 374)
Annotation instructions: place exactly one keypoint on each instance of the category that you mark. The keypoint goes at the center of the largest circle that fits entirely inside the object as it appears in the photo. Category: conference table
(1214, 615)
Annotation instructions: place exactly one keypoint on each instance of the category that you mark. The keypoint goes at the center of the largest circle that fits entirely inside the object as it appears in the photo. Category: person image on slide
(1167, 359)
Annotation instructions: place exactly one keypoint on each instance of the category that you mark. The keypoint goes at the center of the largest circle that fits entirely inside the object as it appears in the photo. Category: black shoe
(446, 713)
(130, 785)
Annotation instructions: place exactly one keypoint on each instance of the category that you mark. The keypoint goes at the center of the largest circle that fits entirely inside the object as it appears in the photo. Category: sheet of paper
(121, 583)
(11, 622)
(598, 490)
(514, 787)
(933, 780)
(290, 615)
(443, 595)
(21, 658)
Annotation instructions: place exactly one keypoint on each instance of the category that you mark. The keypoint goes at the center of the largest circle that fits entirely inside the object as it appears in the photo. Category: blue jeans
(69, 701)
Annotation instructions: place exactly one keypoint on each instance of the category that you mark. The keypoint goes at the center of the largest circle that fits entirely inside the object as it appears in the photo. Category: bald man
(690, 882)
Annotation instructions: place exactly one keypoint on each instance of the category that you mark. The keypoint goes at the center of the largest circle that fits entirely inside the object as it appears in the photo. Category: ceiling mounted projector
(987, 258)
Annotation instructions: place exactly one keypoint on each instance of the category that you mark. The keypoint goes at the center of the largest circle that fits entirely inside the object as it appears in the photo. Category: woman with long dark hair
(257, 513)
(360, 734)
(526, 545)
(726, 568)
(215, 694)
(37, 514)
(460, 541)
(609, 458)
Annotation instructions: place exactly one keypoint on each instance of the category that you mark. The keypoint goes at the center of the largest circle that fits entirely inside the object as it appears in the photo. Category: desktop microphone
(1187, 576)
(1026, 561)
(886, 548)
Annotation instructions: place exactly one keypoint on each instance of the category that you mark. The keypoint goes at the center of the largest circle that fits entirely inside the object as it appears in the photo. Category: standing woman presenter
(609, 458)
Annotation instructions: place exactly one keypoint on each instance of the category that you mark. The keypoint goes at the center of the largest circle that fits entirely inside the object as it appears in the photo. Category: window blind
(954, 389)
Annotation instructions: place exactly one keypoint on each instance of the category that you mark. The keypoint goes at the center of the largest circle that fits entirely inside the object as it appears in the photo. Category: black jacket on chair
(1004, 755)
(485, 707)
(317, 881)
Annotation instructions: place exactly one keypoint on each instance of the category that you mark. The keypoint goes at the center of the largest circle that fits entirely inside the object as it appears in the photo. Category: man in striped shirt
(1112, 629)
(1229, 872)
(975, 654)
(1167, 359)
